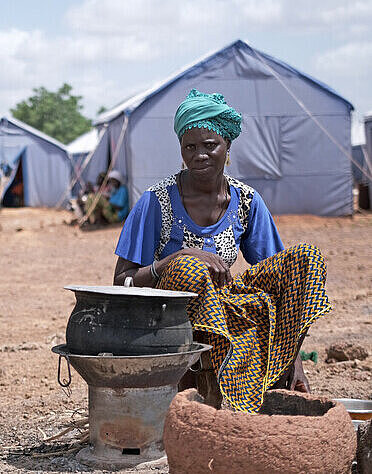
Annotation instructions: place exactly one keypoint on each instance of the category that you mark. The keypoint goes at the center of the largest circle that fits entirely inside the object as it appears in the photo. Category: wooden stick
(84, 437)
(73, 425)
(56, 453)
(43, 433)
(77, 423)
(60, 434)
(81, 422)
(7, 449)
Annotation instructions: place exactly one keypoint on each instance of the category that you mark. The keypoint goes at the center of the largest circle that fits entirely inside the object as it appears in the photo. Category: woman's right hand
(218, 269)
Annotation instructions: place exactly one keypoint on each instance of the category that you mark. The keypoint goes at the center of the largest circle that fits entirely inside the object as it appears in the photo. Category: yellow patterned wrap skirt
(254, 324)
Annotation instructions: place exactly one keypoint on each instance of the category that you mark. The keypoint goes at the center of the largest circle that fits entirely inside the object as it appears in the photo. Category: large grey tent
(37, 161)
(282, 152)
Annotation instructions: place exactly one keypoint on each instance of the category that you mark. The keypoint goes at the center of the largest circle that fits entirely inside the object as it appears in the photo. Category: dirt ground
(40, 254)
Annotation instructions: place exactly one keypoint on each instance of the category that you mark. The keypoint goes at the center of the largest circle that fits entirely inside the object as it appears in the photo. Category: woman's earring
(228, 158)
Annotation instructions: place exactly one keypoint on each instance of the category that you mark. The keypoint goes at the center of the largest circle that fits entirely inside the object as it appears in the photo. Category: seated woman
(112, 205)
(184, 233)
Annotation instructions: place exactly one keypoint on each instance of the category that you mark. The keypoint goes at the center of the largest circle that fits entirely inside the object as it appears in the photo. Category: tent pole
(84, 165)
(112, 164)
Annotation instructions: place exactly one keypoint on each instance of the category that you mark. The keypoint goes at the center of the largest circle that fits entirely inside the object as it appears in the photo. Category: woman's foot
(294, 378)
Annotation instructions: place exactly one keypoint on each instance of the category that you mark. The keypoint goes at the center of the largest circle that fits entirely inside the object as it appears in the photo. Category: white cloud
(150, 18)
(117, 17)
(339, 17)
(346, 12)
(168, 23)
(13, 67)
(147, 29)
(258, 12)
(349, 69)
(107, 43)
(347, 59)
(30, 59)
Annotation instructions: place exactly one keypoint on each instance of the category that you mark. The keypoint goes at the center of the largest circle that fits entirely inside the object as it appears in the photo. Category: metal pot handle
(128, 282)
(198, 366)
(64, 383)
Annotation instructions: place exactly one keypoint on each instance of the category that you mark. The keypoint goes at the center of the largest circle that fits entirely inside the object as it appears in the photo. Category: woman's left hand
(297, 379)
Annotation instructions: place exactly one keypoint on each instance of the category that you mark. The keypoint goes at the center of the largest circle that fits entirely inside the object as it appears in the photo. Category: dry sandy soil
(40, 254)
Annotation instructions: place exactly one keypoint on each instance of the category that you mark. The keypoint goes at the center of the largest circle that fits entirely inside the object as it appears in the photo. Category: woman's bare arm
(142, 276)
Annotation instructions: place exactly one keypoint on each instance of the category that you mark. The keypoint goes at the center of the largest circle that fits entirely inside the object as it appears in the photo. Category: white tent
(83, 144)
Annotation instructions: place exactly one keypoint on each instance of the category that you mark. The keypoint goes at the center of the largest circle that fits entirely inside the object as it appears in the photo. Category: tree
(101, 110)
(58, 114)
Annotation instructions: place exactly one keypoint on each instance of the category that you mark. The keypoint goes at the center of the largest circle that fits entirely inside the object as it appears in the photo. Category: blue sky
(109, 49)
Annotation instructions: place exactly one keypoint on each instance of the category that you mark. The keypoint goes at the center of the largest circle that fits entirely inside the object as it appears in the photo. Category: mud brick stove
(131, 346)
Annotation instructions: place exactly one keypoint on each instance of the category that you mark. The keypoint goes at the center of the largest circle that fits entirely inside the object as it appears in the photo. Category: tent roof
(128, 105)
(85, 143)
(34, 131)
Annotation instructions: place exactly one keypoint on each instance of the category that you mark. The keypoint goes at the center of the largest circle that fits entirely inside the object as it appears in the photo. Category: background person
(112, 205)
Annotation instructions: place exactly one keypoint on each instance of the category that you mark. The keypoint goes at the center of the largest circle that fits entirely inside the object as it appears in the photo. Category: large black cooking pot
(128, 321)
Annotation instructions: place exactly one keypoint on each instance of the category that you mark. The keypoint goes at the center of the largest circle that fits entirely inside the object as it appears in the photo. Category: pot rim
(131, 291)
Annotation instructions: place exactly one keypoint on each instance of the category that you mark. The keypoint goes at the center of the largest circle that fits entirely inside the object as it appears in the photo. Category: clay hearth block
(283, 402)
(364, 450)
(311, 435)
(341, 351)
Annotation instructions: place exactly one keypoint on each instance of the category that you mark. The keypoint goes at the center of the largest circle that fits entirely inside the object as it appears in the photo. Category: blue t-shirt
(119, 198)
(159, 225)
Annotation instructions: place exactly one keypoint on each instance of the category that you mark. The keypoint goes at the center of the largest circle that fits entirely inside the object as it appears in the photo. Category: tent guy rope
(309, 113)
(111, 166)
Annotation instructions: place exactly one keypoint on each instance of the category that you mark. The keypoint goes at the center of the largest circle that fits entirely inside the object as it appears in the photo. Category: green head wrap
(207, 111)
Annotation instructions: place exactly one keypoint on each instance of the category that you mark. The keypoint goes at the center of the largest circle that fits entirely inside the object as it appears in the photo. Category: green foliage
(101, 110)
(55, 113)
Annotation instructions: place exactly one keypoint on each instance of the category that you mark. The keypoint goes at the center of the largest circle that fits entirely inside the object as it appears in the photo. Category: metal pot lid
(131, 291)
